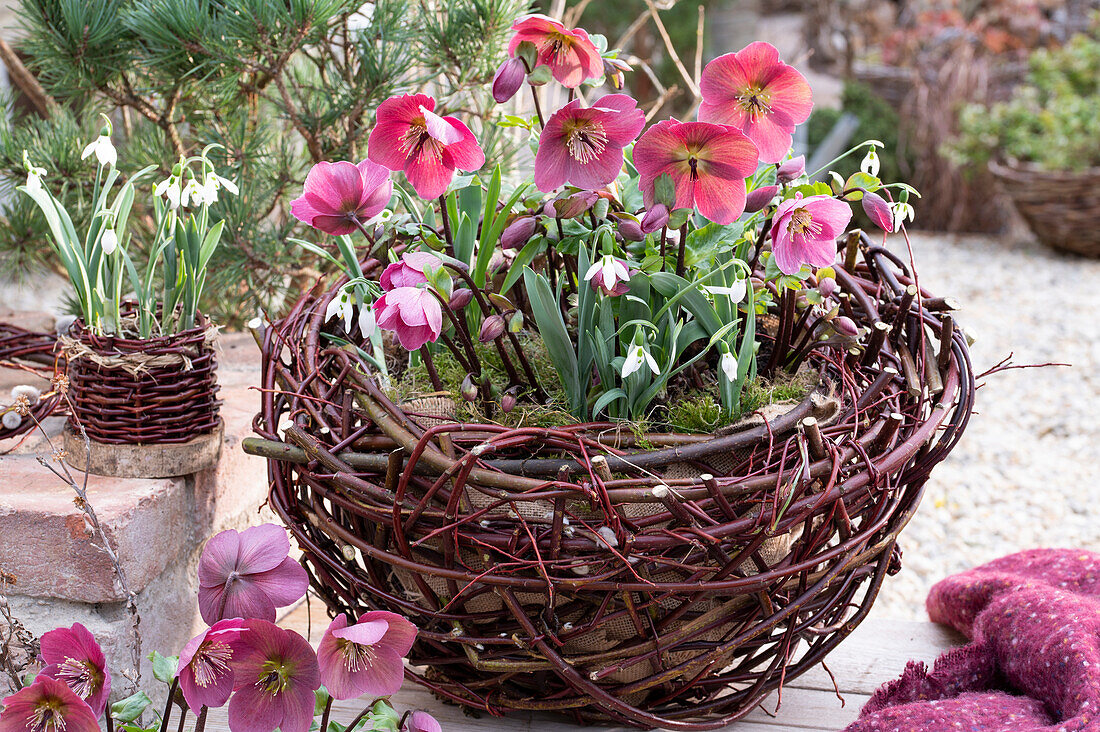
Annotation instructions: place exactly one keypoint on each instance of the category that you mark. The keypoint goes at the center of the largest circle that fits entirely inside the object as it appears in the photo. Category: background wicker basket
(569, 570)
(33, 352)
(152, 391)
(1062, 209)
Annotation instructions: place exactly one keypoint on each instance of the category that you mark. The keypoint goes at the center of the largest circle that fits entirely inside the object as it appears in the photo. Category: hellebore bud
(508, 79)
(845, 326)
(572, 206)
(491, 329)
(469, 388)
(655, 218)
(791, 169)
(631, 230)
(460, 299)
(827, 286)
(878, 210)
(518, 232)
(759, 198)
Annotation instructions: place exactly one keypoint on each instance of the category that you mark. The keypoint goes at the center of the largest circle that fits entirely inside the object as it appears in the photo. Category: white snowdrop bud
(11, 420)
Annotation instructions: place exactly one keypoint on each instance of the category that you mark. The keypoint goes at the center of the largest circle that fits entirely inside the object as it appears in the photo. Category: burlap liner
(434, 410)
(134, 363)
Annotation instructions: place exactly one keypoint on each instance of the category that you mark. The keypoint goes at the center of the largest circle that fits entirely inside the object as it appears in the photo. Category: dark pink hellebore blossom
(583, 146)
(47, 705)
(758, 94)
(73, 656)
(248, 574)
(365, 658)
(336, 195)
(275, 675)
(570, 54)
(805, 230)
(408, 136)
(708, 164)
(413, 313)
(409, 272)
(205, 667)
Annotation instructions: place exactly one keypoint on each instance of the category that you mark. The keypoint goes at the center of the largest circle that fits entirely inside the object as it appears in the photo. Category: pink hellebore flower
(422, 722)
(205, 668)
(413, 313)
(276, 674)
(409, 272)
(72, 655)
(708, 164)
(758, 94)
(409, 136)
(248, 574)
(804, 231)
(47, 705)
(584, 145)
(570, 54)
(365, 658)
(336, 195)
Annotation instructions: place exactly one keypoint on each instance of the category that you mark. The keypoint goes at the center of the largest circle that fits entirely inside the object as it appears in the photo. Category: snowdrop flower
(34, 174)
(610, 272)
(109, 241)
(212, 183)
(728, 365)
(735, 292)
(870, 162)
(170, 188)
(103, 149)
(341, 305)
(902, 211)
(193, 193)
(635, 357)
(368, 321)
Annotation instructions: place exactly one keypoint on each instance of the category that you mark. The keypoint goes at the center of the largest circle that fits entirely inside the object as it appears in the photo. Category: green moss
(702, 412)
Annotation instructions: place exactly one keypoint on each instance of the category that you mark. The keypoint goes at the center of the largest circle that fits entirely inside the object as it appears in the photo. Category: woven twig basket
(572, 570)
(34, 352)
(1062, 209)
(143, 391)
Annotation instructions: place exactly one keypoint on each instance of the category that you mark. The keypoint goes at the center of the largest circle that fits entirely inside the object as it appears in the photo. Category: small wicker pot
(157, 392)
(664, 580)
(1062, 209)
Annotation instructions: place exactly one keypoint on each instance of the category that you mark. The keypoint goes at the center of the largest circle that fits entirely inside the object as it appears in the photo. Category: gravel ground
(1024, 475)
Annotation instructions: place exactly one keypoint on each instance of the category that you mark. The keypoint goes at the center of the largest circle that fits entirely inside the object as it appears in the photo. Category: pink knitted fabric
(1033, 663)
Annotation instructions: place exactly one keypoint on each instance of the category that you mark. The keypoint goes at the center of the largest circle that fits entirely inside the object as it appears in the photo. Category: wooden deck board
(875, 653)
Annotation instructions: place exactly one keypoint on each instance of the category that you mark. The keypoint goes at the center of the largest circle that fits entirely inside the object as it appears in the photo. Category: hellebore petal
(275, 675)
(583, 146)
(248, 574)
(337, 195)
(570, 54)
(408, 136)
(73, 656)
(365, 658)
(47, 705)
(708, 164)
(758, 94)
(804, 231)
(413, 313)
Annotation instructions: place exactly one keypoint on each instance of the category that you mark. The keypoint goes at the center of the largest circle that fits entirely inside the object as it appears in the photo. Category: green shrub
(1052, 120)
